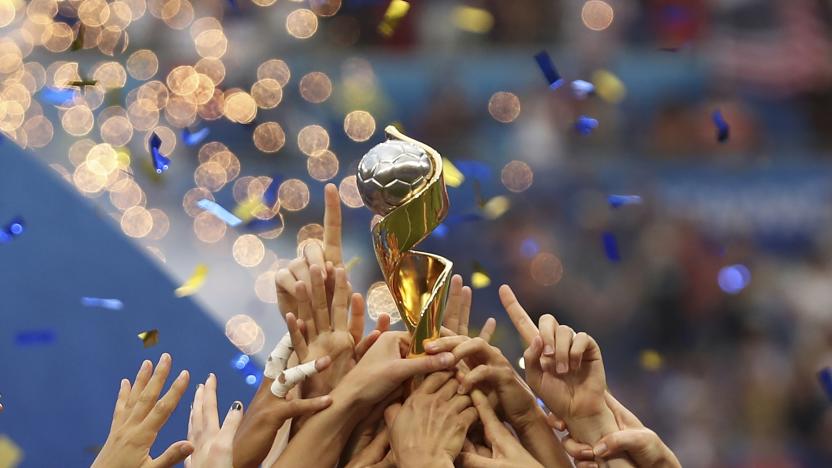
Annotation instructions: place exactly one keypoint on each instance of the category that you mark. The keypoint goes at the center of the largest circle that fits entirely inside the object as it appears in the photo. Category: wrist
(416, 458)
(590, 429)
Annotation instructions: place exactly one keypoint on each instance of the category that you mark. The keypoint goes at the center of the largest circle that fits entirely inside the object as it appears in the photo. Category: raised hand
(139, 416)
(212, 443)
(492, 372)
(506, 451)
(429, 428)
(642, 445)
(458, 312)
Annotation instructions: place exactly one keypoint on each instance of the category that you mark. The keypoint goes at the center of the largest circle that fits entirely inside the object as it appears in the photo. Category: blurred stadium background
(714, 321)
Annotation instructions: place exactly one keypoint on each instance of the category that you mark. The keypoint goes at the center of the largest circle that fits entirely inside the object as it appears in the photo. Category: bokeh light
(211, 176)
(293, 194)
(517, 176)
(136, 222)
(192, 197)
(504, 107)
(245, 334)
(208, 228)
(269, 137)
(734, 278)
(322, 166)
(315, 87)
(380, 300)
(597, 15)
(546, 269)
(267, 93)
(301, 23)
(264, 287)
(348, 191)
(359, 125)
(275, 69)
(312, 139)
(248, 250)
(142, 64)
(312, 231)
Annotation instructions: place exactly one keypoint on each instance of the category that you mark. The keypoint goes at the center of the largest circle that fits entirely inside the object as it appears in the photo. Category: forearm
(590, 430)
(325, 434)
(419, 459)
(257, 431)
(542, 443)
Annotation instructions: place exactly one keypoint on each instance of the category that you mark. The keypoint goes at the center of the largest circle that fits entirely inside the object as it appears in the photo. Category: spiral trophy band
(396, 181)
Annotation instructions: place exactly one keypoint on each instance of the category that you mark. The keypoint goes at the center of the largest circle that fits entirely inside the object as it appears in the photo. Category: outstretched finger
(119, 412)
(305, 309)
(284, 282)
(531, 358)
(139, 383)
(164, 407)
(298, 341)
(312, 250)
(320, 309)
(231, 423)
(151, 392)
(464, 311)
(365, 344)
(563, 344)
(488, 329)
(340, 300)
(356, 317)
(332, 225)
(548, 327)
(209, 405)
(452, 309)
(518, 315)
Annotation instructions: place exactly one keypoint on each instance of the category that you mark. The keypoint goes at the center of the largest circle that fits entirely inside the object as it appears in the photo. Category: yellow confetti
(192, 284)
(608, 86)
(453, 177)
(395, 12)
(480, 278)
(471, 19)
(10, 453)
(149, 337)
(651, 360)
(496, 207)
(245, 210)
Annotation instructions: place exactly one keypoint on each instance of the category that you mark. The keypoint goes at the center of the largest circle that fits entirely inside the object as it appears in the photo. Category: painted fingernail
(548, 350)
(599, 449)
(562, 368)
(236, 406)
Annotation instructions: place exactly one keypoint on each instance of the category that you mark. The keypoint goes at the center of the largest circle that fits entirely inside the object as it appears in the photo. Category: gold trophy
(401, 180)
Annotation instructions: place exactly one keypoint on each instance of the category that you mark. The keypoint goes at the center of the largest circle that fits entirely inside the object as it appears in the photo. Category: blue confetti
(270, 195)
(34, 337)
(263, 225)
(12, 229)
(112, 304)
(544, 61)
(733, 278)
(529, 248)
(441, 231)
(160, 162)
(617, 201)
(581, 89)
(57, 96)
(194, 138)
(611, 246)
(825, 378)
(219, 212)
(723, 131)
(585, 125)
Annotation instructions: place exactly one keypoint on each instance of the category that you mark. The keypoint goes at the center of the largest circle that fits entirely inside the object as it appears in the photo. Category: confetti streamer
(192, 284)
(57, 96)
(160, 162)
(825, 378)
(219, 212)
(544, 61)
(82, 83)
(112, 304)
(453, 177)
(723, 131)
(609, 87)
(194, 138)
(479, 278)
(581, 89)
(149, 338)
(585, 125)
(611, 246)
(34, 337)
(617, 201)
(651, 360)
(496, 207)
(394, 14)
(270, 195)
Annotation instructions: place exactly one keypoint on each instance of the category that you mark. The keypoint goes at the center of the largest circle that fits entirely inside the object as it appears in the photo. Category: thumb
(231, 422)
(298, 407)
(495, 431)
(616, 443)
(531, 358)
(175, 454)
(407, 368)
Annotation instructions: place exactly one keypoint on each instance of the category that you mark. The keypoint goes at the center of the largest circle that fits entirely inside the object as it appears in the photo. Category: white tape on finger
(292, 377)
(279, 357)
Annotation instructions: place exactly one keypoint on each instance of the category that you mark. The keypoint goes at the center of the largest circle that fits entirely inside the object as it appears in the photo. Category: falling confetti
(472, 19)
(394, 14)
(10, 452)
(479, 278)
(585, 125)
(57, 96)
(496, 207)
(112, 304)
(825, 378)
(581, 89)
(220, 212)
(544, 61)
(192, 284)
(723, 131)
(453, 177)
(194, 138)
(149, 338)
(609, 87)
(651, 360)
(35, 337)
(610, 246)
(160, 162)
(617, 201)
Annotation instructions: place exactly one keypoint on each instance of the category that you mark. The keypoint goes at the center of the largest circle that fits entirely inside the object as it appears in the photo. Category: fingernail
(182, 374)
(548, 350)
(460, 389)
(599, 449)
(236, 406)
(562, 368)
(430, 347)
